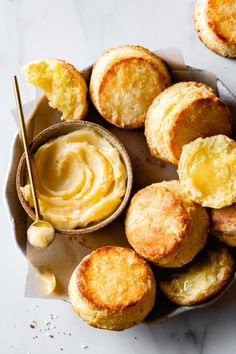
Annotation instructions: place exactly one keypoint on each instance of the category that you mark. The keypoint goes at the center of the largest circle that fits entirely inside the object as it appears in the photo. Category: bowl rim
(64, 128)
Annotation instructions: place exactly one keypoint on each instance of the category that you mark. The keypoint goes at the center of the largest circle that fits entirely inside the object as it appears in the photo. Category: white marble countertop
(78, 31)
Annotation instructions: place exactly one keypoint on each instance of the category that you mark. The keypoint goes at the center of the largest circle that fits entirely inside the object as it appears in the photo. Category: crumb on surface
(32, 324)
(84, 346)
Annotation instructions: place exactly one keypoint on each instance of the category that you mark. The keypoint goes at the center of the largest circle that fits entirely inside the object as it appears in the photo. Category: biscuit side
(182, 113)
(223, 224)
(161, 223)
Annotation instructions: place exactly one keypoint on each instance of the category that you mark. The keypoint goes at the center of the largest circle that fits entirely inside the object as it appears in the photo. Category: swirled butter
(80, 179)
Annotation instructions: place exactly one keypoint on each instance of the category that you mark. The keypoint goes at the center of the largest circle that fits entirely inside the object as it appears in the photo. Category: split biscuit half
(209, 273)
(63, 85)
(207, 171)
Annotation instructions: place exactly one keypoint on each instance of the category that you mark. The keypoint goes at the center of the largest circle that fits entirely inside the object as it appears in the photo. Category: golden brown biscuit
(124, 82)
(223, 224)
(182, 113)
(63, 85)
(207, 171)
(164, 226)
(207, 275)
(112, 288)
(215, 24)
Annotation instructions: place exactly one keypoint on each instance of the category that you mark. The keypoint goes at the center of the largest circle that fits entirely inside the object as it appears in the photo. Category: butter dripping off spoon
(41, 233)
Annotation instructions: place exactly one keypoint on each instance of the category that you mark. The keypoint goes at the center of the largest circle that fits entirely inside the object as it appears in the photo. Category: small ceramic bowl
(61, 129)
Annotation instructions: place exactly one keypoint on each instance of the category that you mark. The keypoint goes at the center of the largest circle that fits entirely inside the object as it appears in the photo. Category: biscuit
(63, 85)
(215, 25)
(182, 113)
(164, 226)
(207, 171)
(124, 82)
(223, 224)
(112, 288)
(207, 275)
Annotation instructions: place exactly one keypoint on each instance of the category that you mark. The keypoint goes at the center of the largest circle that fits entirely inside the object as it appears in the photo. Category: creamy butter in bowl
(83, 177)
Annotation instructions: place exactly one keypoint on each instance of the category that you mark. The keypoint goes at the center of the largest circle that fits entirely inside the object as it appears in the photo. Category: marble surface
(78, 31)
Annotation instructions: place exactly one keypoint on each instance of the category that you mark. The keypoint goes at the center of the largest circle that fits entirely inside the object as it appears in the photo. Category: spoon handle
(25, 144)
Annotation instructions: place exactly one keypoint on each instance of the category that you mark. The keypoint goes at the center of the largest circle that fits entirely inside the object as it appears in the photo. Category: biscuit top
(157, 219)
(221, 18)
(133, 96)
(224, 219)
(124, 82)
(113, 277)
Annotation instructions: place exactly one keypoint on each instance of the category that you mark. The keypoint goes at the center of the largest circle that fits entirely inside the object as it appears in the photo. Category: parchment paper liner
(66, 252)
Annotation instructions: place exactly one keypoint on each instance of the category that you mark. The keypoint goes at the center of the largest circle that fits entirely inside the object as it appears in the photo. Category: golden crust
(182, 113)
(124, 82)
(223, 224)
(215, 24)
(63, 85)
(112, 288)
(207, 171)
(164, 226)
(207, 275)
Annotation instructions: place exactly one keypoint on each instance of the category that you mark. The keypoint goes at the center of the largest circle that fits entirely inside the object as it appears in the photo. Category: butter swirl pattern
(80, 179)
